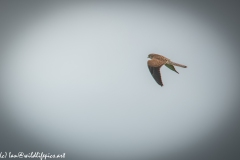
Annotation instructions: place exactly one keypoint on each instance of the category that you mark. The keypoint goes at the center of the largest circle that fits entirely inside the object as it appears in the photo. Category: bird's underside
(156, 62)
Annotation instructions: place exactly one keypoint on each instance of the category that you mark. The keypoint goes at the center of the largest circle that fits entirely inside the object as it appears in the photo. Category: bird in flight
(156, 62)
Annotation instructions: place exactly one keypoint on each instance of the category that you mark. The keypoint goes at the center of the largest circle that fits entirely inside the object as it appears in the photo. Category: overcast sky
(75, 77)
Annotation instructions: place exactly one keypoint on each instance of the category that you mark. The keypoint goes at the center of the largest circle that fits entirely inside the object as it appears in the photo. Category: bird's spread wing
(154, 68)
(171, 67)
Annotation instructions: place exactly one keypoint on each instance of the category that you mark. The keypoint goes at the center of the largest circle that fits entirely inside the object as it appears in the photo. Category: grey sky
(76, 78)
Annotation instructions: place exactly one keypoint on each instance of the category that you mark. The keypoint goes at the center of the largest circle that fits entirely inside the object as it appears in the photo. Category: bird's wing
(154, 68)
(171, 67)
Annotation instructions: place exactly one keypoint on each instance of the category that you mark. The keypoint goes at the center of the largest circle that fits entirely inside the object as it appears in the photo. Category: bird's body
(156, 62)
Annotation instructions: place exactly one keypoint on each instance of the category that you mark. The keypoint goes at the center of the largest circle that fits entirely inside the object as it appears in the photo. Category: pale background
(74, 79)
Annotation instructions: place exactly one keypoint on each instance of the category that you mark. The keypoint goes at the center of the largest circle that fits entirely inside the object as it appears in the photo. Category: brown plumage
(156, 62)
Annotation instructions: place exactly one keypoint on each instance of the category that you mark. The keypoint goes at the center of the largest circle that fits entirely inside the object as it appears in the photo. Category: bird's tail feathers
(179, 65)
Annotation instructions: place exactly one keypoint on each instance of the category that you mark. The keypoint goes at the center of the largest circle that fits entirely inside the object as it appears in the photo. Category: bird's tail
(179, 65)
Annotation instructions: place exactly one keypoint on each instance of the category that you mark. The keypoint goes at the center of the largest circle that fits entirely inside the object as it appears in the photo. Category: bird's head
(151, 55)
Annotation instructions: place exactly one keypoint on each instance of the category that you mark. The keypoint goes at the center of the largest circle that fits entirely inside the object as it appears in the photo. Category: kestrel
(156, 62)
